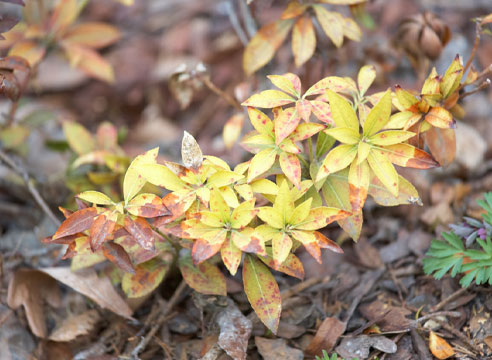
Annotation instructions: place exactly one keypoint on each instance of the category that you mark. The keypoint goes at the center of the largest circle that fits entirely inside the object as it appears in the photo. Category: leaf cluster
(473, 261)
(44, 31)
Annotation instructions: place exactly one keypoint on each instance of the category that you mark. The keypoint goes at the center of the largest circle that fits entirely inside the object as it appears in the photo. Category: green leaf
(80, 140)
(134, 180)
(379, 115)
(342, 112)
(95, 197)
(262, 291)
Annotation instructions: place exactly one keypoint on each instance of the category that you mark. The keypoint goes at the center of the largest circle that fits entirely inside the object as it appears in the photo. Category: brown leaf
(388, 318)
(30, 288)
(359, 346)
(190, 151)
(118, 256)
(235, 330)
(75, 325)
(442, 144)
(77, 222)
(141, 232)
(439, 347)
(102, 229)
(88, 283)
(326, 336)
(277, 349)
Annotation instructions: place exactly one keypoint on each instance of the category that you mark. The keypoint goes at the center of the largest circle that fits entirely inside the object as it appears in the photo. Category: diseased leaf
(344, 134)
(322, 111)
(291, 167)
(64, 14)
(303, 40)
(31, 51)
(452, 78)
(320, 217)
(141, 232)
(288, 82)
(281, 245)
(102, 228)
(335, 83)
(379, 115)
(262, 291)
(358, 178)
(77, 222)
(83, 256)
(264, 44)
(390, 137)
(440, 117)
(160, 175)
(118, 256)
(407, 194)
(408, 156)
(147, 206)
(337, 159)
(134, 180)
(285, 123)
(293, 10)
(145, 279)
(261, 163)
(442, 144)
(342, 112)
(292, 266)
(204, 278)
(231, 256)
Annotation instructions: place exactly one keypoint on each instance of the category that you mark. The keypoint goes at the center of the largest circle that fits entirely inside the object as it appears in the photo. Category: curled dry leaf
(326, 336)
(190, 151)
(76, 325)
(88, 283)
(30, 288)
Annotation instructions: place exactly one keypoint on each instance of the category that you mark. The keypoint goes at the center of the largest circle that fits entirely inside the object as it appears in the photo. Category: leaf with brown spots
(77, 222)
(147, 206)
(204, 278)
(291, 167)
(285, 123)
(145, 279)
(262, 291)
(118, 256)
(292, 266)
(102, 229)
(440, 117)
(231, 256)
(134, 180)
(408, 156)
(141, 231)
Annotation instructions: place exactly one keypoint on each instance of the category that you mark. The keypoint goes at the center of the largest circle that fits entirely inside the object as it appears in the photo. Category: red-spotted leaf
(118, 256)
(146, 278)
(204, 249)
(262, 291)
(141, 232)
(359, 176)
(204, 278)
(269, 99)
(77, 222)
(292, 266)
(291, 167)
(102, 228)
(304, 109)
(231, 256)
(288, 82)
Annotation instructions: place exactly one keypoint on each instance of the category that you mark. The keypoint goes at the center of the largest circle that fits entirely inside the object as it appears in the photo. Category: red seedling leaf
(326, 243)
(102, 229)
(141, 232)
(262, 291)
(79, 221)
(118, 256)
(204, 278)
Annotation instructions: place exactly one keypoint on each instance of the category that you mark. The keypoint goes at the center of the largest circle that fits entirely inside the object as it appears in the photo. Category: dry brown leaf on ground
(89, 284)
(235, 330)
(75, 325)
(273, 349)
(359, 347)
(327, 336)
(31, 288)
(439, 347)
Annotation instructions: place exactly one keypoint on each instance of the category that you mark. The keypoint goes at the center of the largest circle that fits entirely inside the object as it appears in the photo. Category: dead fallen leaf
(99, 289)
(75, 326)
(368, 254)
(326, 336)
(389, 318)
(277, 349)
(235, 330)
(30, 288)
(359, 346)
(439, 347)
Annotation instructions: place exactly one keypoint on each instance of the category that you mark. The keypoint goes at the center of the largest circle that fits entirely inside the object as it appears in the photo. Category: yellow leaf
(403, 120)
(211, 219)
(365, 78)
(379, 115)
(89, 61)
(64, 14)
(243, 214)
(231, 256)
(335, 83)
(303, 40)
(351, 29)
(452, 78)
(160, 175)
(269, 99)
(337, 159)
(384, 170)
(80, 140)
(281, 245)
(344, 134)
(342, 112)
(358, 178)
(440, 117)
(223, 178)
(271, 216)
(95, 197)
(232, 130)
(439, 347)
(293, 10)
(29, 50)
(260, 121)
(134, 181)
(331, 23)
(219, 206)
(93, 35)
(291, 167)
(264, 186)
(363, 151)
(261, 163)
(284, 202)
(263, 45)
(390, 137)
(300, 213)
(405, 99)
(320, 217)
(290, 83)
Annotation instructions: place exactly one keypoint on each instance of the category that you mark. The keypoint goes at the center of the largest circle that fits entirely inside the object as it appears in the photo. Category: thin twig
(249, 21)
(236, 24)
(30, 186)
(230, 99)
(448, 299)
(480, 87)
(173, 301)
(475, 48)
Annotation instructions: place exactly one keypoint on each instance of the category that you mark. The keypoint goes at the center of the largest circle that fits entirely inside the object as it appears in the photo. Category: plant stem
(310, 145)
(231, 100)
